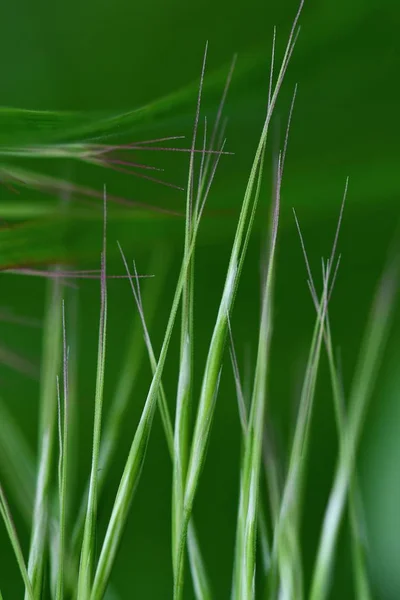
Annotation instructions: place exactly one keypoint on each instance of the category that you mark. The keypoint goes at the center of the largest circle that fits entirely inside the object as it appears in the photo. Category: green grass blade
(47, 431)
(217, 344)
(88, 544)
(200, 578)
(286, 547)
(134, 463)
(162, 400)
(17, 463)
(358, 551)
(264, 541)
(370, 357)
(199, 574)
(137, 452)
(63, 463)
(8, 522)
(133, 359)
(181, 433)
(362, 587)
(245, 560)
(26, 128)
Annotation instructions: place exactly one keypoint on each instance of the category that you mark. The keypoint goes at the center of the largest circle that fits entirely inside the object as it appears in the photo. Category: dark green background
(119, 55)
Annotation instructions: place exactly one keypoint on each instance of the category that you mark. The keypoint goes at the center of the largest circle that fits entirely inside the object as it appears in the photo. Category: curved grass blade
(370, 357)
(213, 364)
(131, 367)
(362, 587)
(287, 557)
(8, 522)
(137, 452)
(21, 127)
(198, 570)
(17, 463)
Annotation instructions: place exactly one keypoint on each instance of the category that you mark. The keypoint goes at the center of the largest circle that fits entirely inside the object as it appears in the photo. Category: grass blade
(183, 399)
(88, 544)
(137, 452)
(17, 463)
(63, 463)
(48, 422)
(213, 364)
(370, 356)
(199, 574)
(8, 522)
(131, 367)
(245, 560)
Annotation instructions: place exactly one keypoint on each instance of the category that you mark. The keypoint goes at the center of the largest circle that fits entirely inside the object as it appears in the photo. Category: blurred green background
(116, 56)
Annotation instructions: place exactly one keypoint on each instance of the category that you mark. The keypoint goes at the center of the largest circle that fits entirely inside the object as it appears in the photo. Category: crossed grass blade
(361, 580)
(369, 361)
(213, 364)
(245, 555)
(198, 570)
(134, 464)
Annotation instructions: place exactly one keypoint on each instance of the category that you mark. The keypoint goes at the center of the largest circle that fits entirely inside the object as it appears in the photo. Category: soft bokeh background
(100, 56)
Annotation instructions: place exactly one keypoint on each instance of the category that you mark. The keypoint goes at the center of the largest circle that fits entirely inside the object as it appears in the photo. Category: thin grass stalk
(289, 562)
(361, 582)
(12, 534)
(198, 570)
(17, 463)
(370, 358)
(63, 463)
(47, 430)
(137, 452)
(126, 382)
(180, 454)
(181, 434)
(217, 344)
(286, 548)
(88, 544)
(262, 519)
(245, 562)
(358, 553)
